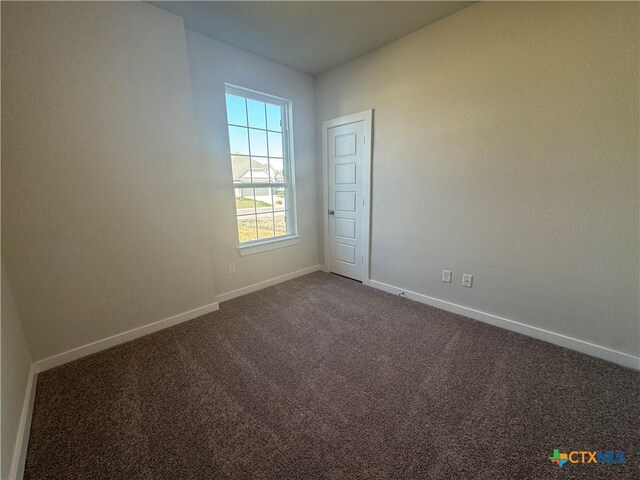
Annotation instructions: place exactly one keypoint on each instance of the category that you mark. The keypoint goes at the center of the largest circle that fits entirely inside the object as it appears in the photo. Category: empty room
(320, 240)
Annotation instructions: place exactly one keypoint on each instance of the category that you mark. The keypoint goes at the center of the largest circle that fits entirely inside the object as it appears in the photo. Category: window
(262, 166)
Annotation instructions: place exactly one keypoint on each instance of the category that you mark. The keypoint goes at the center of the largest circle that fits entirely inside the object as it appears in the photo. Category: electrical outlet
(467, 280)
(232, 268)
(446, 276)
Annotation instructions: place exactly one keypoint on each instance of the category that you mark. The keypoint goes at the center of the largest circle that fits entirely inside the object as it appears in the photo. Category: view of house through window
(262, 179)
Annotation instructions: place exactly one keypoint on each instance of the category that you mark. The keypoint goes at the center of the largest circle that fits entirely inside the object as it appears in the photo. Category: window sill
(268, 245)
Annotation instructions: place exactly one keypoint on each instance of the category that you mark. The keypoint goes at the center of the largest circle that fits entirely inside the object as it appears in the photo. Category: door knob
(331, 212)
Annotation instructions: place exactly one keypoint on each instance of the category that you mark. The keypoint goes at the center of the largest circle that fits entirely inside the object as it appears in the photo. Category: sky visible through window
(261, 183)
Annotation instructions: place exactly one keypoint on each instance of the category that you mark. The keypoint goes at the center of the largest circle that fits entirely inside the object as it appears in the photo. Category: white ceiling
(309, 36)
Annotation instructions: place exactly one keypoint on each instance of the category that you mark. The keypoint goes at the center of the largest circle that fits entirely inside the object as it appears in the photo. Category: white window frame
(291, 214)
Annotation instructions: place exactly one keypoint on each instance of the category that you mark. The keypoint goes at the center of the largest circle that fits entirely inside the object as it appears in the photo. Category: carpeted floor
(321, 377)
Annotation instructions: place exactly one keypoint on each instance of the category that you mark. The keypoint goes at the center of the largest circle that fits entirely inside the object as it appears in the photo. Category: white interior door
(345, 155)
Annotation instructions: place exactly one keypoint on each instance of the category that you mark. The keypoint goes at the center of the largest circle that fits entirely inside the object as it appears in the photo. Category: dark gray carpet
(321, 377)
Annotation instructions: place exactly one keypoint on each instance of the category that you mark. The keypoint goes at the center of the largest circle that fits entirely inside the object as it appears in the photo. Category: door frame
(366, 117)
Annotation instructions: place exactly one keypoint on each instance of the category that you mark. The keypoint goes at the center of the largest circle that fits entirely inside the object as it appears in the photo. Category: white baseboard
(24, 428)
(90, 348)
(266, 283)
(97, 346)
(581, 346)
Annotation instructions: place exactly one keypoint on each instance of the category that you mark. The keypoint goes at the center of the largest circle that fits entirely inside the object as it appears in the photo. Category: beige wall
(506, 146)
(16, 368)
(116, 212)
(103, 215)
(213, 63)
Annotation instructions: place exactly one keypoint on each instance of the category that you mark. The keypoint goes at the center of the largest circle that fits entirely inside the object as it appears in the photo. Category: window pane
(238, 141)
(245, 200)
(256, 114)
(236, 110)
(263, 199)
(258, 140)
(260, 170)
(241, 167)
(276, 170)
(280, 223)
(274, 117)
(265, 225)
(275, 144)
(247, 228)
(279, 198)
